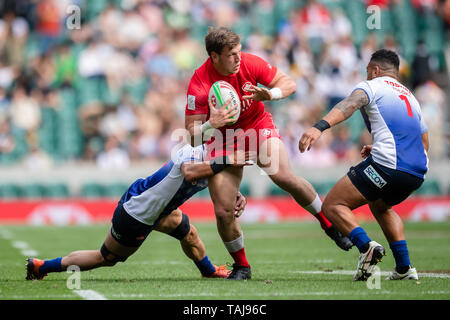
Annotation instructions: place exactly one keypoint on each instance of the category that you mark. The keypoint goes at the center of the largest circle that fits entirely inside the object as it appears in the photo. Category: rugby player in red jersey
(244, 71)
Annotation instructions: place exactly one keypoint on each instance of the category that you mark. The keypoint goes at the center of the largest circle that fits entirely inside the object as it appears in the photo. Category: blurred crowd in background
(112, 89)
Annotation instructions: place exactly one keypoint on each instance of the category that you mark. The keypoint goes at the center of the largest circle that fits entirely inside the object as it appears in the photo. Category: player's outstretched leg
(273, 159)
(110, 253)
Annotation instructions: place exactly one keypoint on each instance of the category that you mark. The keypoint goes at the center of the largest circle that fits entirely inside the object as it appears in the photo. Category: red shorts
(249, 139)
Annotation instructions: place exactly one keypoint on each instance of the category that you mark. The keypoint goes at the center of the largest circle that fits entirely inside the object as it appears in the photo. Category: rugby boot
(221, 272)
(368, 260)
(411, 274)
(240, 273)
(33, 266)
(342, 242)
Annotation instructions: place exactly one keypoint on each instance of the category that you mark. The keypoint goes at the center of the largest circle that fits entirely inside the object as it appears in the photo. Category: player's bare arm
(425, 141)
(198, 126)
(342, 111)
(281, 87)
(199, 170)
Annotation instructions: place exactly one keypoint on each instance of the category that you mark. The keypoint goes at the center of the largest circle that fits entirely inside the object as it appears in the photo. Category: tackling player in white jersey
(151, 204)
(395, 164)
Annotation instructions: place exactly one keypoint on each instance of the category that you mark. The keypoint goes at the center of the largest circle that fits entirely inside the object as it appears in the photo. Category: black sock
(402, 269)
(364, 247)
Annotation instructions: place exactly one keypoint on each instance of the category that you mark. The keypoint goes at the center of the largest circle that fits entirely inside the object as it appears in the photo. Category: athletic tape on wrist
(206, 126)
(322, 125)
(218, 164)
(276, 93)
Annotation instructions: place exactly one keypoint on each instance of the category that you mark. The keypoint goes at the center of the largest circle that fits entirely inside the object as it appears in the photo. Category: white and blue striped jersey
(165, 190)
(394, 119)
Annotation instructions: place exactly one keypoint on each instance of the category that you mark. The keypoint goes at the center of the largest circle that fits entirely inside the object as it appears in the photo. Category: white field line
(24, 248)
(89, 295)
(383, 273)
(5, 234)
(26, 251)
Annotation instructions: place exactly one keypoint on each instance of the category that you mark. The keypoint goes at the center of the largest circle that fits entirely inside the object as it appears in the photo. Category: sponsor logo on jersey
(246, 87)
(374, 177)
(191, 102)
(266, 132)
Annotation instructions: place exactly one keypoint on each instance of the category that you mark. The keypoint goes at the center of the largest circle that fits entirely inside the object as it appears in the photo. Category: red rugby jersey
(253, 70)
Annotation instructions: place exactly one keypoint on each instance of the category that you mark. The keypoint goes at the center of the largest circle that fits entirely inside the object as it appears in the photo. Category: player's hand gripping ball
(220, 93)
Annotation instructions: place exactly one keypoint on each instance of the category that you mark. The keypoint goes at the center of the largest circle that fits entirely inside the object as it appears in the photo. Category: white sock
(235, 245)
(314, 207)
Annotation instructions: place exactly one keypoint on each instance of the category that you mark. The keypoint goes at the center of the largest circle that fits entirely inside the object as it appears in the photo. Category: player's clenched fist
(308, 138)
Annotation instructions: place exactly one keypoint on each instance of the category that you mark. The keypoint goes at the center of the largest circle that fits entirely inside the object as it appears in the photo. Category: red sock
(239, 258)
(324, 222)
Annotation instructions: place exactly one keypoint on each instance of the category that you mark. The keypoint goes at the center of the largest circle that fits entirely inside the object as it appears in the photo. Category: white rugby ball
(220, 92)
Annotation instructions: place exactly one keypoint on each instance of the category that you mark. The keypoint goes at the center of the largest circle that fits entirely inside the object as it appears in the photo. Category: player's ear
(214, 56)
(376, 71)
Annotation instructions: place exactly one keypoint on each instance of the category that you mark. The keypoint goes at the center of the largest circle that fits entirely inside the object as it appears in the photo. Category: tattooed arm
(342, 111)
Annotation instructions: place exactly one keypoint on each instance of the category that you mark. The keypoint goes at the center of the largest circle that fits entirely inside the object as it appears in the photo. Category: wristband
(322, 125)
(206, 126)
(276, 93)
(218, 165)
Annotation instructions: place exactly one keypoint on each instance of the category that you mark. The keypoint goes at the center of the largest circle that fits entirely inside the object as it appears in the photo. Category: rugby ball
(220, 92)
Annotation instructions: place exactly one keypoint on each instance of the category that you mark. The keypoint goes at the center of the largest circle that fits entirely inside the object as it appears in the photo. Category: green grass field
(289, 261)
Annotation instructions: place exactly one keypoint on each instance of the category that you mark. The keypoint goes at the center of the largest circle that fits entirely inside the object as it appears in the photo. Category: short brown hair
(219, 38)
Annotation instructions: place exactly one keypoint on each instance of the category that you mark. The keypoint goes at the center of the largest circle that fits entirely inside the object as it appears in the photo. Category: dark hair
(384, 57)
(219, 38)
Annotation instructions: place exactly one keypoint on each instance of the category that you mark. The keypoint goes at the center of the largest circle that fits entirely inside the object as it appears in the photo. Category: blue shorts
(375, 181)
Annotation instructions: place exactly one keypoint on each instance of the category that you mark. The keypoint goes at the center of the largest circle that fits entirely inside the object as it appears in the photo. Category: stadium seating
(92, 190)
(430, 187)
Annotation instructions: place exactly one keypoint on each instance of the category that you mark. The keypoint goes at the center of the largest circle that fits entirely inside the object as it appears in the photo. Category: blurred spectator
(25, 110)
(37, 160)
(7, 142)
(65, 64)
(421, 65)
(13, 36)
(318, 157)
(315, 22)
(432, 102)
(91, 62)
(113, 156)
(48, 26)
(342, 145)
(118, 84)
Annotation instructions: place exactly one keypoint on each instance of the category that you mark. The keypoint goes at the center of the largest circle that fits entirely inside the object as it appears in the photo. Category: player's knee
(224, 214)
(109, 258)
(183, 229)
(329, 208)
